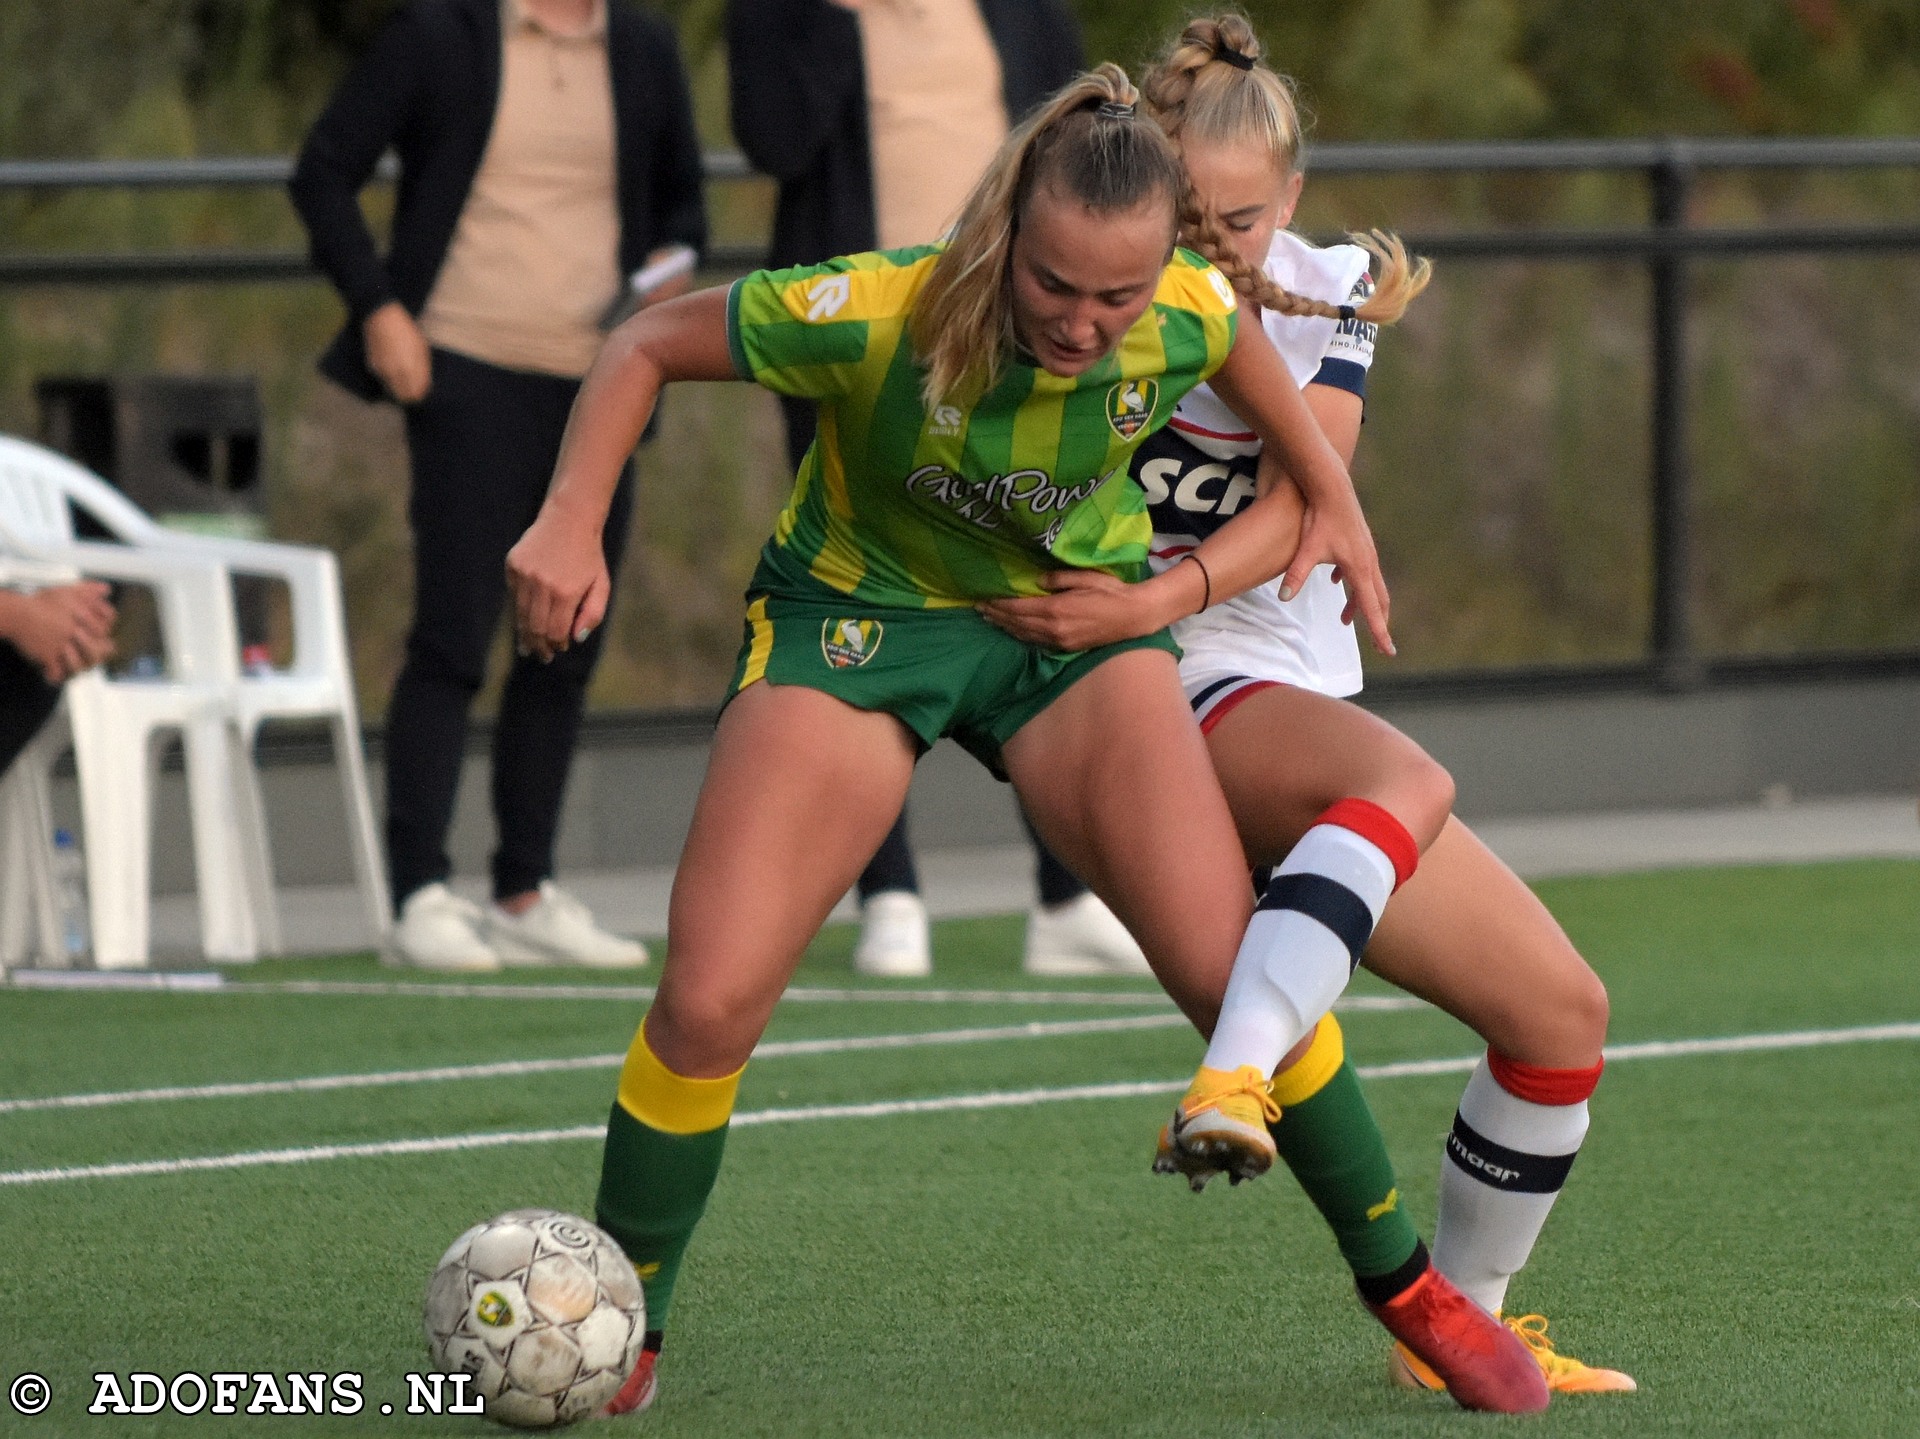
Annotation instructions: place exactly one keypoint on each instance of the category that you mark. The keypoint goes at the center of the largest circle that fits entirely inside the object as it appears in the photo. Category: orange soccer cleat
(1220, 1128)
(1564, 1373)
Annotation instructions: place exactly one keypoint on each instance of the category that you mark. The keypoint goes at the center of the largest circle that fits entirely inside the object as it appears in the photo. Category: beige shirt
(936, 115)
(535, 258)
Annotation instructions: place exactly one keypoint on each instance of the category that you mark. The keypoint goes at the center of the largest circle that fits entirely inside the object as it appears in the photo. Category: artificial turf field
(1742, 1231)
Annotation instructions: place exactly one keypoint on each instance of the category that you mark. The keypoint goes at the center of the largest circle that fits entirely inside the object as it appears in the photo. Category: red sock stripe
(1377, 827)
(1539, 1085)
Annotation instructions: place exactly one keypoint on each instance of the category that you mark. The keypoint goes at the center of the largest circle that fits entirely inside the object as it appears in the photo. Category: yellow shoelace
(1532, 1329)
(1245, 1080)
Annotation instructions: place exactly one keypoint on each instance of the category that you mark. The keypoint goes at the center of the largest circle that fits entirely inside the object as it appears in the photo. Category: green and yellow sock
(665, 1139)
(1329, 1138)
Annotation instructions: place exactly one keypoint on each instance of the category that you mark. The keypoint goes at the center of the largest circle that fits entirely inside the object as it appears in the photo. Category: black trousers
(26, 703)
(892, 865)
(482, 446)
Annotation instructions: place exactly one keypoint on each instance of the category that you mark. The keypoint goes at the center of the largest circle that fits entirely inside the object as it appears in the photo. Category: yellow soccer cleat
(1565, 1374)
(1220, 1128)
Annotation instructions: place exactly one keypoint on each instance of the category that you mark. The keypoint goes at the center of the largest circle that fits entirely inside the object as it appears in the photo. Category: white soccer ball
(543, 1310)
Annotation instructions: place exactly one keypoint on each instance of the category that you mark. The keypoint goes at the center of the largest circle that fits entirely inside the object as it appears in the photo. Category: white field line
(197, 983)
(944, 1104)
(114, 982)
(525, 1067)
(520, 1068)
(643, 993)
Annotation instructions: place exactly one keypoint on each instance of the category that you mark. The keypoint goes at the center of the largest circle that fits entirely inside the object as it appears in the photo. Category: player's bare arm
(557, 572)
(1090, 608)
(1255, 385)
(1086, 609)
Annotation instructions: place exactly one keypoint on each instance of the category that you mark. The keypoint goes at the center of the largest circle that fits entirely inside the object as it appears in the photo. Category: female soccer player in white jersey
(1343, 803)
(979, 402)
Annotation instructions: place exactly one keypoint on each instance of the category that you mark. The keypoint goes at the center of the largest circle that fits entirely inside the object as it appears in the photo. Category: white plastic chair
(116, 729)
(36, 488)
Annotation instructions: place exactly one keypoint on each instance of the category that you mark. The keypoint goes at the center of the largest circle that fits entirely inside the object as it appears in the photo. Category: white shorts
(1221, 667)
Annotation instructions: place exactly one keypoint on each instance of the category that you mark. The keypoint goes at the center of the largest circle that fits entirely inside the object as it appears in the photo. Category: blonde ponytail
(1086, 140)
(1212, 85)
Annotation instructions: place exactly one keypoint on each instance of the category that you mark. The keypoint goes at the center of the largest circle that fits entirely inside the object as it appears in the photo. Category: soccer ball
(543, 1310)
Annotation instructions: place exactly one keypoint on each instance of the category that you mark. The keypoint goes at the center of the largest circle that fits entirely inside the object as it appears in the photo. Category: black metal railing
(1665, 245)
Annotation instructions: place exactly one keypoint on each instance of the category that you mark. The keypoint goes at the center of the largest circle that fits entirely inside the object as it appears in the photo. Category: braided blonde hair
(1089, 144)
(1212, 85)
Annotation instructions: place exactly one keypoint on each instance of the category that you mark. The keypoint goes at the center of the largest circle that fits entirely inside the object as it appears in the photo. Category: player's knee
(1588, 1008)
(698, 1029)
(1568, 1026)
(1426, 790)
(1438, 781)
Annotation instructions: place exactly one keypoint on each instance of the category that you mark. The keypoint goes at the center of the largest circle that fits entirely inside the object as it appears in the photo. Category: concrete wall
(632, 793)
(1657, 751)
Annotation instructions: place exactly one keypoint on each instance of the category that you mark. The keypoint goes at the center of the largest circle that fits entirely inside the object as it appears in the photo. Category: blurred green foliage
(206, 76)
(1505, 456)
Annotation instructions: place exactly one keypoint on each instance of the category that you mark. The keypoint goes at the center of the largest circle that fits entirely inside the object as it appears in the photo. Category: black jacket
(428, 87)
(799, 104)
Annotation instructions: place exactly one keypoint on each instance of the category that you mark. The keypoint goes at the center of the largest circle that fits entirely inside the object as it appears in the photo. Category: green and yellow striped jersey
(898, 506)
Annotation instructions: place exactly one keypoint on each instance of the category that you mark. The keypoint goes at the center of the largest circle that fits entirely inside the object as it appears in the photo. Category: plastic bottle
(70, 897)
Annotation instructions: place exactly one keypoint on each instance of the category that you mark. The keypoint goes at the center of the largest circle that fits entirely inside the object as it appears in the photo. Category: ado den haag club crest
(847, 643)
(1130, 406)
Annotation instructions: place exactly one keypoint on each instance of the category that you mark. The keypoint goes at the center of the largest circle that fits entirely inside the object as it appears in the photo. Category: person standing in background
(876, 117)
(547, 151)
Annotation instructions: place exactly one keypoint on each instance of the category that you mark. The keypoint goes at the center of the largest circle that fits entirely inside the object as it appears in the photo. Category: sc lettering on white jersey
(1193, 484)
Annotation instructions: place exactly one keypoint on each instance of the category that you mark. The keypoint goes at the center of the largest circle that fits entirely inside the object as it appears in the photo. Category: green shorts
(942, 672)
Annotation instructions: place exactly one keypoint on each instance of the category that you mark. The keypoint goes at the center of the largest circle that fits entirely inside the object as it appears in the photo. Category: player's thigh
(1467, 935)
(800, 789)
(1284, 754)
(1115, 778)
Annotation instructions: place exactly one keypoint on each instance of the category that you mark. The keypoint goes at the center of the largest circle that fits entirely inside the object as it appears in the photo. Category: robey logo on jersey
(827, 297)
(1208, 489)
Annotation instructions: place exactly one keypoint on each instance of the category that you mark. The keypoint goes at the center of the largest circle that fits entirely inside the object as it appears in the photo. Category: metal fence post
(1671, 638)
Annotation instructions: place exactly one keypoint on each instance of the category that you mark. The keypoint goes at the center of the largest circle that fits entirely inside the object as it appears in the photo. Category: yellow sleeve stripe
(669, 1102)
(1199, 288)
(1314, 1070)
(761, 628)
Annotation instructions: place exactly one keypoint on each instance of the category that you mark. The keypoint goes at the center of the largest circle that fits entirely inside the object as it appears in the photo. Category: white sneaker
(893, 937)
(1078, 940)
(439, 930)
(559, 929)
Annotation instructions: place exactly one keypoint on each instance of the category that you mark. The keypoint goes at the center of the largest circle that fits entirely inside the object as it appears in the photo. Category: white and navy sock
(1311, 927)
(1514, 1139)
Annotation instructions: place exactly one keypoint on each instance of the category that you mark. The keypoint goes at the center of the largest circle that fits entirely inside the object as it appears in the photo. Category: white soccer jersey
(1199, 470)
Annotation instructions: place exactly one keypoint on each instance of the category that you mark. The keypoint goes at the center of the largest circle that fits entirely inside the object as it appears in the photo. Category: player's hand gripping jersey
(896, 506)
(1199, 471)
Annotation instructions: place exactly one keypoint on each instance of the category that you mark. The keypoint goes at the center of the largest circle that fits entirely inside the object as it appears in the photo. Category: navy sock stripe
(1328, 901)
(1213, 689)
(1498, 1167)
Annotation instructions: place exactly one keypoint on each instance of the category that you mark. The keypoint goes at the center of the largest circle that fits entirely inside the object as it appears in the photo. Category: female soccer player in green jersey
(978, 405)
(1266, 679)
